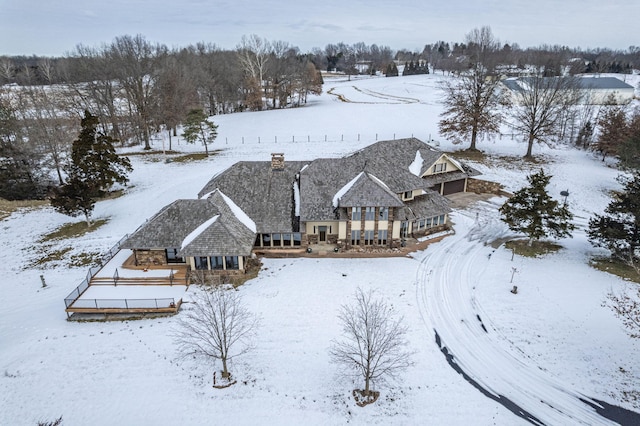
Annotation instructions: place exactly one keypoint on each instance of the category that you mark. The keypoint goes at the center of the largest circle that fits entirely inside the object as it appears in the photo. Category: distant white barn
(597, 90)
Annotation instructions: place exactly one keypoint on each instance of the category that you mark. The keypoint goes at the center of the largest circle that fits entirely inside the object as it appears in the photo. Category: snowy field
(544, 349)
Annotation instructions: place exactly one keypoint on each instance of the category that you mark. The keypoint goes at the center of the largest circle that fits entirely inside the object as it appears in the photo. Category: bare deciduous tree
(254, 54)
(626, 306)
(473, 102)
(374, 342)
(218, 327)
(540, 105)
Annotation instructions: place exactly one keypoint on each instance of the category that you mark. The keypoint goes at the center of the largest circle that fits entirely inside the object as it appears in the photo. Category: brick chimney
(277, 161)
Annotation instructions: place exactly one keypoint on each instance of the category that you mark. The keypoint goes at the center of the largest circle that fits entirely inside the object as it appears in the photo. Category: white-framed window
(172, 256)
(368, 238)
(355, 237)
(439, 167)
(369, 213)
(382, 237)
(421, 224)
(216, 262)
(276, 240)
(232, 262)
(408, 195)
(404, 229)
(201, 262)
(356, 213)
(383, 213)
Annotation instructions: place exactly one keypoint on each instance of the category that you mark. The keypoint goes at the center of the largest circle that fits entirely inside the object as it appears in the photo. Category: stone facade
(479, 186)
(147, 257)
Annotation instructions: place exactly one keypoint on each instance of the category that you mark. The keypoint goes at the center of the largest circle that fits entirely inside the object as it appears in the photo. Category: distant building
(596, 90)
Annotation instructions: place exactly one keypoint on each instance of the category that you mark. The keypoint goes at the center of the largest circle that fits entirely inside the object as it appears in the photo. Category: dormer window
(408, 195)
(439, 167)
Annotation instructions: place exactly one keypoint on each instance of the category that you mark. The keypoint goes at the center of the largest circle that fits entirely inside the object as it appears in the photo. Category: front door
(322, 230)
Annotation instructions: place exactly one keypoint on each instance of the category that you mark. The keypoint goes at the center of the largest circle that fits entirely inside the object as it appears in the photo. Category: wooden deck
(124, 288)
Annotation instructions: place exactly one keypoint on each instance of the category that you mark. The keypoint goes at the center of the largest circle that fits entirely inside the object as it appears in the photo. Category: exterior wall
(414, 193)
(480, 186)
(442, 160)
(376, 225)
(601, 96)
(313, 232)
(150, 257)
(342, 230)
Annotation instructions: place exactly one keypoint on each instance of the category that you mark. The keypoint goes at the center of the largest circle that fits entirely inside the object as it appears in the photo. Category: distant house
(595, 90)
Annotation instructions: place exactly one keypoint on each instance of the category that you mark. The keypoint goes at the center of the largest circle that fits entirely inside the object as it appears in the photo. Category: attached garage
(453, 187)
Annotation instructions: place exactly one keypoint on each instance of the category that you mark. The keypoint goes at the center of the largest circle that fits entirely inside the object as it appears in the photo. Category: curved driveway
(446, 280)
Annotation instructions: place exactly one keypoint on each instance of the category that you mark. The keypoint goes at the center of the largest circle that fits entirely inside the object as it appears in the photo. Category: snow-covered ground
(543, 349)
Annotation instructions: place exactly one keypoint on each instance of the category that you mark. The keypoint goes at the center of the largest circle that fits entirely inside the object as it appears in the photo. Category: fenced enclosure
(77, 292)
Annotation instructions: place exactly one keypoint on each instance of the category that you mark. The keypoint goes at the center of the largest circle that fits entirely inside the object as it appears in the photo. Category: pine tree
(619, 228)
(197, 127)
(392, 70)
(613, 128)
(532, 211)
(95, 168)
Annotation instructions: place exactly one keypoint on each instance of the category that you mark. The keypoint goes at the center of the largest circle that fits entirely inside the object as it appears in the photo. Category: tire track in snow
(446, 281)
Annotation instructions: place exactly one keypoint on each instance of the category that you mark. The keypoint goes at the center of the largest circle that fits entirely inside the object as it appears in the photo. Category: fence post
(276, 139)
(258, 139)
(358, 137)
(243, 140)
(308, 138)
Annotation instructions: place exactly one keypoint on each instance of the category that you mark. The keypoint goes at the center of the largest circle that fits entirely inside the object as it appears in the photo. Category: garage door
(453, 187)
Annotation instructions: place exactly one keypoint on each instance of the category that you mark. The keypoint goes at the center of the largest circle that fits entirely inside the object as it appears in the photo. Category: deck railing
(125, 303)
(75, 294)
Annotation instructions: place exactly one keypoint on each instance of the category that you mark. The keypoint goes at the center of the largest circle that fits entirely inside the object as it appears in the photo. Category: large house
(375, 198)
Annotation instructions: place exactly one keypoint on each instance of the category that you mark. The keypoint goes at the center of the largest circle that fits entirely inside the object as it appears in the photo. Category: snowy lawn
(553, 336)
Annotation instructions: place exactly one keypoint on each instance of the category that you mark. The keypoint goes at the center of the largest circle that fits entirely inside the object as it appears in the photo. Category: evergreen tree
(629, 149)
(619, 228)
(198, 127)
(94, 169)
(532, 211)
(584, 135)
(392, 70)
(613, 128)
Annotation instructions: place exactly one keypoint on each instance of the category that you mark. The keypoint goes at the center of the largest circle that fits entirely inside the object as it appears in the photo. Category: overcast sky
(55, 27)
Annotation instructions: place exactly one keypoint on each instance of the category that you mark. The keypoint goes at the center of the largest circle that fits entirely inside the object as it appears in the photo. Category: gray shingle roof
(264, 194)
(424, 207)
(227, 236)
(388, 161)
(368, 190)
(170, 226)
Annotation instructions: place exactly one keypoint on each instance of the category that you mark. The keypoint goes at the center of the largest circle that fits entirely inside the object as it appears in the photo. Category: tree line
(136, 88)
